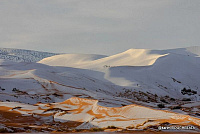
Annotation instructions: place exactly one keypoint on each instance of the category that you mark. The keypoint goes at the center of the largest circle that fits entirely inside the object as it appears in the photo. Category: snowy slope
(131, 57)
(71, 60)
(45, 82)
(20, 55)
(145, 78)
(161, 72)
(168, 75)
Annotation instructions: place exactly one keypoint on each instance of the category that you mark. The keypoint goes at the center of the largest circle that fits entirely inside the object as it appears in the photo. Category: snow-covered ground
(161, 72)
(125, 88)
(90, 114)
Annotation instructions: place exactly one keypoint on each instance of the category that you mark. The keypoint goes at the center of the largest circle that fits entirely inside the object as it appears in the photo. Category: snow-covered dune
(137, 79)
(131, 57)
(90, 114)
(38, 82)
(70, 60)
(168, 75)
(162, 72)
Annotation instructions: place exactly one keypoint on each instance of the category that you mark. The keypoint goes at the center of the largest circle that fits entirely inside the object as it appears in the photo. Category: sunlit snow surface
(121, 90)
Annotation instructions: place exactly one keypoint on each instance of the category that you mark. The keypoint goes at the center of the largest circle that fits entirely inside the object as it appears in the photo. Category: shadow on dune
(183, 68)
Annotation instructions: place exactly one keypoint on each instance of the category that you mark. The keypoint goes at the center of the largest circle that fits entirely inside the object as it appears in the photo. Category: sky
(99, 26)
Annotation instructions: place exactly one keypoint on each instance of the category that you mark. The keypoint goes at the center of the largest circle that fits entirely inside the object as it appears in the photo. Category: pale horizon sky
(98, 26)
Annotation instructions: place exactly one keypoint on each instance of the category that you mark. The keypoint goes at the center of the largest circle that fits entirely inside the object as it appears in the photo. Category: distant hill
(21, 55)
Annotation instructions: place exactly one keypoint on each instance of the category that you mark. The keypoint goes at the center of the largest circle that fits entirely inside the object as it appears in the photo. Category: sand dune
(122, 90)
(131, 57)
(91, 114)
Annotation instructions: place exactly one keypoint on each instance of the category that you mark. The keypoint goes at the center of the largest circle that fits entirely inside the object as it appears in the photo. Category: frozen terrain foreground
(136, 89)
